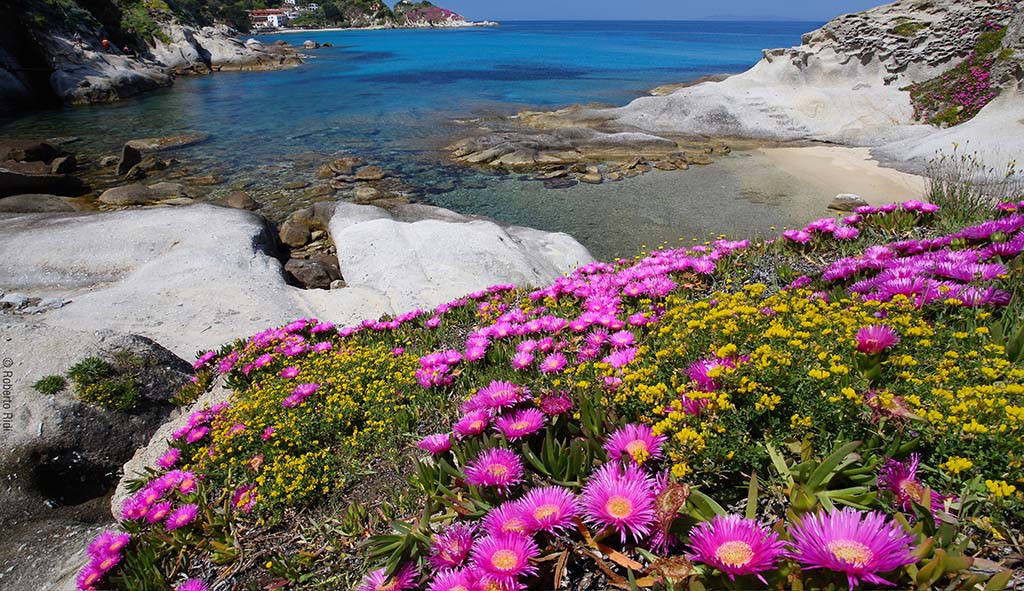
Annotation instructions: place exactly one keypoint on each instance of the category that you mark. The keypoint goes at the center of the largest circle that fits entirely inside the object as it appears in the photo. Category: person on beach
(106, 46)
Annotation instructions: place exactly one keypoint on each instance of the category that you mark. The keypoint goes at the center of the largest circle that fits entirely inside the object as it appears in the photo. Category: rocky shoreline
(847, 84)
(58, 65)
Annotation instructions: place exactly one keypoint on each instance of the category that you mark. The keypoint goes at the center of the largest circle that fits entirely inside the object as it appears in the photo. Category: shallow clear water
(391, 97)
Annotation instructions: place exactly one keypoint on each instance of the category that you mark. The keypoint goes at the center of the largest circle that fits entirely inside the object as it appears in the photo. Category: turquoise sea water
(391, 97)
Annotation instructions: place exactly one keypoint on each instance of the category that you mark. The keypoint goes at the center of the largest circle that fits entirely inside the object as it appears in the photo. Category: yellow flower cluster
(294, 454)
(797, 373)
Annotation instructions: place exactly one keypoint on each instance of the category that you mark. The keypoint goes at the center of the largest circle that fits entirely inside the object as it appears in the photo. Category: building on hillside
(268, 18)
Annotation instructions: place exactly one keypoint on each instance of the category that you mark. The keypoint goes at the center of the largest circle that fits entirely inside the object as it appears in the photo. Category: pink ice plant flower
(192, 585)
(736, 546)
(450, 548)
(497, 467)
(521, 424)
(522, 360)
(158, 512)
(495, 396)
(204, 359)
(196, 434)
(621, 339)
(549, 509)
(289, 372)
(109, 542)
(621, 357)
(637, 442)
(169, 459)
(873, 339)
(620, 499)
(859, 545)
(379, 580)
(505, 557)
(472, 423)
(436, 444)
(88, 578)
(555, 403)
(181, 517)
(553, 363)
(507, 517)
(299, 395)
(900, 479)
(451, 580)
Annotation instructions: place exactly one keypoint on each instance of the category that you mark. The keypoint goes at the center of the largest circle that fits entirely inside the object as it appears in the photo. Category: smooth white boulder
(196, 277)
(426, 262)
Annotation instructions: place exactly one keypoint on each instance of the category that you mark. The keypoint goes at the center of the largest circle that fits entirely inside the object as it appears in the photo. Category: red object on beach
(105, 44)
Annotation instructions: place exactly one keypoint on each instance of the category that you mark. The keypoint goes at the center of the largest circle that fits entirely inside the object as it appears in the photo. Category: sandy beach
(851, 170)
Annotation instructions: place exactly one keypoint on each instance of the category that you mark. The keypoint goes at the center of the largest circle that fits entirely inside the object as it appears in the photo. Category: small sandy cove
(847, 170)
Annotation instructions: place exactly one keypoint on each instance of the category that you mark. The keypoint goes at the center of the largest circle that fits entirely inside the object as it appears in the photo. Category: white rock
(196, 277)
(423, 263)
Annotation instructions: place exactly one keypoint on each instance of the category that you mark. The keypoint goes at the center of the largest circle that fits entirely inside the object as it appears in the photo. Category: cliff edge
(852, 82)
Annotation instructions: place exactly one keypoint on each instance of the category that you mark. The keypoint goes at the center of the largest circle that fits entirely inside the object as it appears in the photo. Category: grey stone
(241, 200)
(16, 183)
(309, 44)
(139, 194)
(309, 273)
(155, 144)
(14, 300)
(64, 165)
(364, 193)
(108, 161)
(130, 156)
(847, 202)
(53, 303)
(36, 203)
(133, 194)
(370, 173)
(28, 151)
(208, 180)
(294, 233)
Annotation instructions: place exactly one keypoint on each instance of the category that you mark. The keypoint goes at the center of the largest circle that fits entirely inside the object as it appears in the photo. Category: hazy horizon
(656, 10)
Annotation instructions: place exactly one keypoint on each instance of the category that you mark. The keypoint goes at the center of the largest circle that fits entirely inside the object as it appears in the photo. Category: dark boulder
(129, 157)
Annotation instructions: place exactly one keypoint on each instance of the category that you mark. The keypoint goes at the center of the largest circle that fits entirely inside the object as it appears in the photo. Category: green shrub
(909, 28)
(90, 371)
(120, 393)
(100, 383)
(50, 385)
(990, 41)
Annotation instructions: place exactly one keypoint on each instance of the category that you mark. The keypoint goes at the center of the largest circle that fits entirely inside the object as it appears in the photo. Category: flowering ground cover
(840, 407)
(960, 93)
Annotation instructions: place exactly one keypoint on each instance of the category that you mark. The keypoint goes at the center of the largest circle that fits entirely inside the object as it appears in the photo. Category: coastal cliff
(55, 52)
(907, 79)
(853, 81)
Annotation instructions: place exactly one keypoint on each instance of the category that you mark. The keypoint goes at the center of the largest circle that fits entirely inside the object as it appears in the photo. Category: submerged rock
(17, 183)
(167, 142)
(36, 203)
(139, 194)
(241, 200)
(28, 151)
(370, 173)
